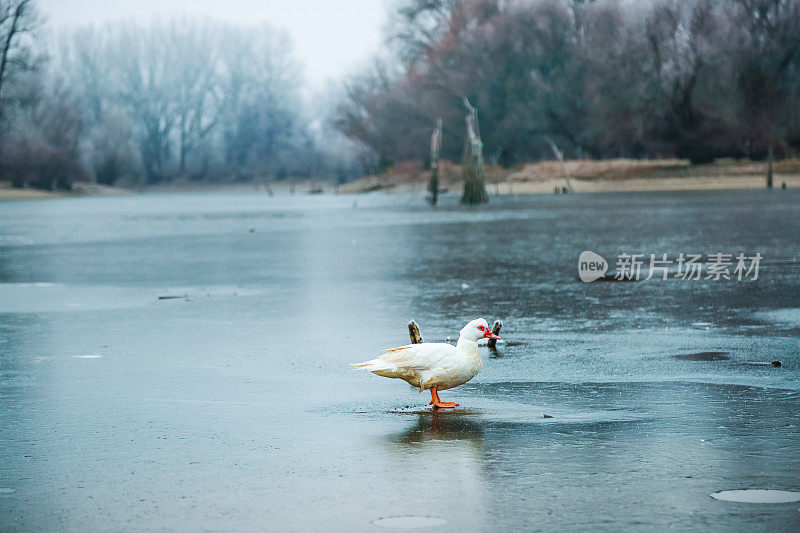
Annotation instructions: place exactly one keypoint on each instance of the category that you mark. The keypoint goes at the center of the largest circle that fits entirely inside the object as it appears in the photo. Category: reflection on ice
(438, 426)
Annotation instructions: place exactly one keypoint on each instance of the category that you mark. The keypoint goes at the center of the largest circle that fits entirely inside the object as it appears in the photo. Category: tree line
(696, 79)
(181, 99)
(200, 100)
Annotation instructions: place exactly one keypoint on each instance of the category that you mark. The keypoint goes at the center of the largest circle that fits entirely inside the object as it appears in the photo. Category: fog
(330, 38)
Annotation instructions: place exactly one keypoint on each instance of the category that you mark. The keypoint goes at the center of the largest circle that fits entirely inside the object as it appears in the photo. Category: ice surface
(234, 408)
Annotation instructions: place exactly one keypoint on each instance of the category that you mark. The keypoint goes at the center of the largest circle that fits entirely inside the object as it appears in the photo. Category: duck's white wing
(409, 362)
(423, 356)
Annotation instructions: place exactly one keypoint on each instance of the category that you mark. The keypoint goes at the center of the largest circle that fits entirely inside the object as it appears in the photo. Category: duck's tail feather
(365, 364)
(380, 367)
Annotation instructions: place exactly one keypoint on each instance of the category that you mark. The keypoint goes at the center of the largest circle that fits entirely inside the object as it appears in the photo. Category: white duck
(434, 365)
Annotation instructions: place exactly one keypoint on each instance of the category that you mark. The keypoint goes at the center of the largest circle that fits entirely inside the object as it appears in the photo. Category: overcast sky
(330, 37)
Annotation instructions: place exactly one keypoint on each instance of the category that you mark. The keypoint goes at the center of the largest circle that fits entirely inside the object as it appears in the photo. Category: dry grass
(9, 193)
(608, 169)
(592, 176)
(622, 169)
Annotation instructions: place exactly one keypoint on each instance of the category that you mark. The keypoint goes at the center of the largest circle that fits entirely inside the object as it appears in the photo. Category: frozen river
(231, 406)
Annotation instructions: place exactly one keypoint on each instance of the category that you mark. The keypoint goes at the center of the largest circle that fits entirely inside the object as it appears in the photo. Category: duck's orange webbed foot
(437, 403)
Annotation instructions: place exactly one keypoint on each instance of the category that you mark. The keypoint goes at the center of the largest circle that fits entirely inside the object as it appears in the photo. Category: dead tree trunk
(492, 344)
(474, 172)
(413, 332)
(560, 156)
(436, 143)
(769, 167)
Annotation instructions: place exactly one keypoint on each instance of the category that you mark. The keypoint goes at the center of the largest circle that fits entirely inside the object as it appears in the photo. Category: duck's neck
(468, 345)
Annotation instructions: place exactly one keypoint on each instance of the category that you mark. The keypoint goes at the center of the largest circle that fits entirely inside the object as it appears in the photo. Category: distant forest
(182, 99)
(199, 100)
(695, 79)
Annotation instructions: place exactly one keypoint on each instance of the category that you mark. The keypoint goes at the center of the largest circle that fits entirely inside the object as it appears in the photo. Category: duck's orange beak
(490, 335)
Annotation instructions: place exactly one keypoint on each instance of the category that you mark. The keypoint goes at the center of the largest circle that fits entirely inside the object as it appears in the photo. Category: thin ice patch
(89, 356)
(757, 496)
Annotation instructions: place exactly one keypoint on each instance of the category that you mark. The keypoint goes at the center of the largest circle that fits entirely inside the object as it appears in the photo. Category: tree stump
(769, 167)
(436, 143)
(474, 172)
(413, 332)
(560, 157)
(492, 344)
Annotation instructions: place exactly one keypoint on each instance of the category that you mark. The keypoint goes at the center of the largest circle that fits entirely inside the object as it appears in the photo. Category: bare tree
(42, 145)
(182, 98)
(560, 157)
(474, 173)
(767, 45)
(196, 82)
(436, 145)
(259, 103)
(16, 19)
(201, 99)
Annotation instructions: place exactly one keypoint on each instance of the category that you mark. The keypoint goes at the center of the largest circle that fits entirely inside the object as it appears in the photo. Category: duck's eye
(481, 328)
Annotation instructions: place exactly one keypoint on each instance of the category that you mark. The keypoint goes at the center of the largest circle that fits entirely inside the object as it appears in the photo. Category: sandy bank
(7, 192)
(616, 175)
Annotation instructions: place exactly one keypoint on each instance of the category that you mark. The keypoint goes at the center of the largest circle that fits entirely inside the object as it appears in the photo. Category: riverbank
(7, 192)
(79, 189)
(615, 175)
(582, 176)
